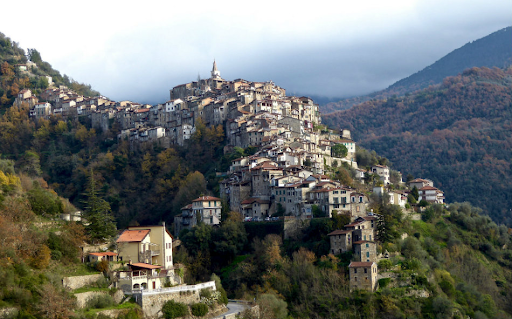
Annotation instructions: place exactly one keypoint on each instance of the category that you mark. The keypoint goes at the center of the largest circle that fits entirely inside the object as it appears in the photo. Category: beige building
(363, 275)
(146, 244)
(208, 209)
(148, 251)
(108, 256)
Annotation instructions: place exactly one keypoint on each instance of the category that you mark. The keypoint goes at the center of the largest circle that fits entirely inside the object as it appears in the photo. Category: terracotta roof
(418, 180)
(339, 232)
(369, 218)
(428, 188)
(359, 242)
(141, 110)
(360, 264)
(257, 200)
(133, 235)
(189, 206)
(205, 198)
(107, 253)
(354, 224)
(147, 266)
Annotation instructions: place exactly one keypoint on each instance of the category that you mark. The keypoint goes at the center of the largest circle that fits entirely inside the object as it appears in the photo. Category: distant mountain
(494, 50)
(458, 133)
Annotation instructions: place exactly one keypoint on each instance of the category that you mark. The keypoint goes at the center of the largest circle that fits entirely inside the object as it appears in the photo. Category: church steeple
(215, 71)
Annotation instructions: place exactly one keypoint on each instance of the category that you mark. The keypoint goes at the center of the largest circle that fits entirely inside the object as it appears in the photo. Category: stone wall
(152, 301)
(152, 304)
(83, 297)
(293, 227)
(80, 281)
(113, 313)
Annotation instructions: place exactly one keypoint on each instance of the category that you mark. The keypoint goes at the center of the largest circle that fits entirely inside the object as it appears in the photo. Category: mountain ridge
(493, 50)
(458, 133)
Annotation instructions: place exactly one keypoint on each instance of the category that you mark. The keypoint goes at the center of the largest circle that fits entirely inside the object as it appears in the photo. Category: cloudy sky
(138, 50)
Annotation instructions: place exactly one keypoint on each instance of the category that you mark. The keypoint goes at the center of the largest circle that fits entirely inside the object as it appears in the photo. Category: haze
(137, 51)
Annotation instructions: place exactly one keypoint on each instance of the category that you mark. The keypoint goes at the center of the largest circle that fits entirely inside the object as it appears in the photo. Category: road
(233, 308)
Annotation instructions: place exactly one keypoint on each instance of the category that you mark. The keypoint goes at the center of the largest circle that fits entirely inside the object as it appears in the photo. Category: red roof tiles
(133, 235)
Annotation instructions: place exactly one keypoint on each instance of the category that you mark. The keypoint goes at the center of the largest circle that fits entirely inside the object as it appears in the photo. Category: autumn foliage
(459, 134)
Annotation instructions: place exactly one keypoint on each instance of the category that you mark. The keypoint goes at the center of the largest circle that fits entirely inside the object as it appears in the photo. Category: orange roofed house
(148, 252)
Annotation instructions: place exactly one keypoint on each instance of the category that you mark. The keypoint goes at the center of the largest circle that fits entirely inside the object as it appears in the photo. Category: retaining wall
(153, 300)
(80, 281)
(83, 297)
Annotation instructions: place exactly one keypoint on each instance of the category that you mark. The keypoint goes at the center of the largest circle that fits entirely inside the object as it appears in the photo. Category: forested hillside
(494, 50)
(13, 79)
(459, 134)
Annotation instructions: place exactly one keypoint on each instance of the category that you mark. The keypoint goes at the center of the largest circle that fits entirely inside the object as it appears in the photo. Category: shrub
(172, 309)
(383, 282)
(205, 293)
(199, 309)
(100, 301)
(385, 264)
(102, 266)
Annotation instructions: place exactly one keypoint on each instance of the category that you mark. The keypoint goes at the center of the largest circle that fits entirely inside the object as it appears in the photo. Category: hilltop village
(285, 177)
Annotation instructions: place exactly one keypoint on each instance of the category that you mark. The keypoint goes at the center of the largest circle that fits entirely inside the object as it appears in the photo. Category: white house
(173, 105)
(431, 195)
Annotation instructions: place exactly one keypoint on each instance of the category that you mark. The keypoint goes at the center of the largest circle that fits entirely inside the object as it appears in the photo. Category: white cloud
(139, 50)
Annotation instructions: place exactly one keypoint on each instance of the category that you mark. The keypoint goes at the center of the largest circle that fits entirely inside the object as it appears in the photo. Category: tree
(54, 303)
(415, 193)
(272, 307)
(34, 56)
(45, 203)
(100, 222)
(339, 150)
(30, 164)
(172, 309)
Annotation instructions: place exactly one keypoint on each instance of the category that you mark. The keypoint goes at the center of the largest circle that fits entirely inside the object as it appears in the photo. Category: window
(367, 245)
(367, 254)
(365, 270)
(355, 270)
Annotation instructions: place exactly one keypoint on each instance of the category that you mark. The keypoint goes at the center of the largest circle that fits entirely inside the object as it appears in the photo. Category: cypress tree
(100, 221)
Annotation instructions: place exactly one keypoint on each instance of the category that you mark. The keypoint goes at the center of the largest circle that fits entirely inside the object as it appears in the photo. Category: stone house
(186, 220)
(363, 275)
(261, 176)
(365, 250)
(255, 207)
(341, 241)
(362, 229)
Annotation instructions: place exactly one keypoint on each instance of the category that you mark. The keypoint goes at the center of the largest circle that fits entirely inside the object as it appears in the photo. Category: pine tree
(100, 222)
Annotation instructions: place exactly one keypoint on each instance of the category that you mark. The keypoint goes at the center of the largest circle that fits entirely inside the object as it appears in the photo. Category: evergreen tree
(100, 222)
